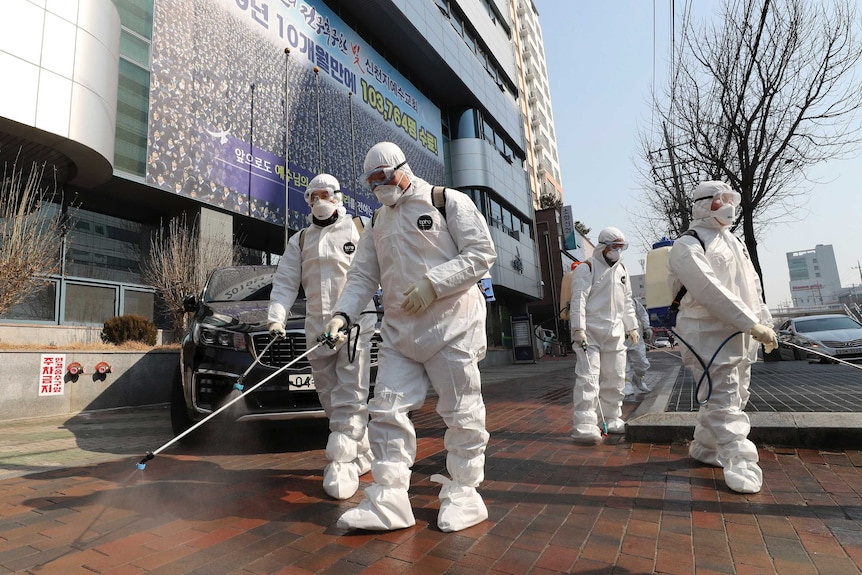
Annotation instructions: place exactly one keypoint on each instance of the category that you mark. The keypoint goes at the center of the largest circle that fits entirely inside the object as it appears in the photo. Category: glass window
(139, 303)
(488, 131)
(38, 306)
(135, 49)
(133, 101)
(467, 125)
(456, 23)
(471, 43)
(136, 15)
(112, 254)
(86, 304)
(506, 219)
(496, 213)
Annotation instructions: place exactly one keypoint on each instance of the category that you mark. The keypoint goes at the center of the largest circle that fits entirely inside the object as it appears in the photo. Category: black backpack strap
(438, 198)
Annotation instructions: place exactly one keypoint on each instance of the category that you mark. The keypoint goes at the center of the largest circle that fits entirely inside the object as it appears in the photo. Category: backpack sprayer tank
(658, 291)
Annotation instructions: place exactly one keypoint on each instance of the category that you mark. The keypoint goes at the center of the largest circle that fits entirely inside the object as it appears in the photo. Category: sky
(603, 59)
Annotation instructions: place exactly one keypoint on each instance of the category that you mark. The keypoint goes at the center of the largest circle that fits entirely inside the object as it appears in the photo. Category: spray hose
(322, 340)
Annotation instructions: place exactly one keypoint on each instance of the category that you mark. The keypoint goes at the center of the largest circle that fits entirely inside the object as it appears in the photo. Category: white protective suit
(723, 297)
(602, 306)
(637, 362)
(441, 345)
(321, 269)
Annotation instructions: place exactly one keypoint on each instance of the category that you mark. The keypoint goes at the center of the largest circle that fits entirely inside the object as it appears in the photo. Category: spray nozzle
(331, 340)
(143, 463)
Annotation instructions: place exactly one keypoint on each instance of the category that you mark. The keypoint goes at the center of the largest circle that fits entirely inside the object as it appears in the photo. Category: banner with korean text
(218, 115)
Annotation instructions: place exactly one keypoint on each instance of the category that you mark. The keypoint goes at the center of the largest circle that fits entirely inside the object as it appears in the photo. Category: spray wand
(324, 339)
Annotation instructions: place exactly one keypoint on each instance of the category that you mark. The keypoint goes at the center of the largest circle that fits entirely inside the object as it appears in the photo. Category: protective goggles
(327, 193)
(379, 176)
(723, 198)
(617, 245)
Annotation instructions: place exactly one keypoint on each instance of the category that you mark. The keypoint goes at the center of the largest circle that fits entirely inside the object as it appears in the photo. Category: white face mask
(388, 195)
(725, 214)
(613, 255)
(323, 209)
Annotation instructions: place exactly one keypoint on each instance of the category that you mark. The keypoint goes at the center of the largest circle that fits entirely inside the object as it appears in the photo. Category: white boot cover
(364, 456)
(386, 505)
(340, 476)
(702, 453)
(461, 506)
(383, 509)
(617, 426)
(587, 433)
(340, 479)
(743, 476)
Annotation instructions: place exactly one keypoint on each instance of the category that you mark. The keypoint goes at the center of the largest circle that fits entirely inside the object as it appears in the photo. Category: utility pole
(857, 267)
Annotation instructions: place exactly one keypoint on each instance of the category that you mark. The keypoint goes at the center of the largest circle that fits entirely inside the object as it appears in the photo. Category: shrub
(121, 329)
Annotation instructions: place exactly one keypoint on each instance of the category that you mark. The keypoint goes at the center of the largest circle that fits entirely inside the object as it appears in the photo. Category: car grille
(840, 344)
(282, 351)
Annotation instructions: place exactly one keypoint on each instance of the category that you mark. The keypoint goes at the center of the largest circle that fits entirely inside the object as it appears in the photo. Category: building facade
(542, 159)
(814, 279)
(222, 110)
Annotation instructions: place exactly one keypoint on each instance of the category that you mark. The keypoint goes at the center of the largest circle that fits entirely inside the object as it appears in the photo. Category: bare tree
(755, 99)
(179, 262)
(31, 235)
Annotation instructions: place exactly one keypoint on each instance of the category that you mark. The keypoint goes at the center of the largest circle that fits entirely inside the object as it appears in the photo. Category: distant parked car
(835, 335)
(228, 330)
(662, 342)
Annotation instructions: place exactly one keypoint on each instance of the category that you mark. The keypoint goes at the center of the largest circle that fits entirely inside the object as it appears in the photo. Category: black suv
(228, 331)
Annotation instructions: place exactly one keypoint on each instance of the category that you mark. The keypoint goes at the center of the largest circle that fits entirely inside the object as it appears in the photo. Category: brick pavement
(243, 505)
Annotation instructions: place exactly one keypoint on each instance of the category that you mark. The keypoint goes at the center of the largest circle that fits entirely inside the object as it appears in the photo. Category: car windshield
(245, 283)
(826, 324)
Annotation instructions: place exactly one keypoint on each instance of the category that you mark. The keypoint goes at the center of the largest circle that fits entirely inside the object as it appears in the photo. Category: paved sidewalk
(251, 501)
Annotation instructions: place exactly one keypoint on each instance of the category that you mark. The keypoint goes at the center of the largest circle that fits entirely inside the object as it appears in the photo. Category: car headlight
(221, 338)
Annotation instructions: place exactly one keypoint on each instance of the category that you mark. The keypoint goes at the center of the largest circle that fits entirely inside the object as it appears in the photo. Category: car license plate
(848, 350)
(301, 382)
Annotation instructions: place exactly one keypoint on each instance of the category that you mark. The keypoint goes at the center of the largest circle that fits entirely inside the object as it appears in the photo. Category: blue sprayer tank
(658, 292)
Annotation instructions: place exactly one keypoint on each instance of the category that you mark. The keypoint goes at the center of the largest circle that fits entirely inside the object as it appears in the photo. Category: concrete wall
(60, 335)
(136, 378)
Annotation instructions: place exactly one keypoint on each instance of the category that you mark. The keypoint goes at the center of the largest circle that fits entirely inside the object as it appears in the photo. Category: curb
(650, 423)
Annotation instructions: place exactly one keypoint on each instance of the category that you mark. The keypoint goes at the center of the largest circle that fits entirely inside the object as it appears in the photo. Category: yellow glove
(333, 329)
(276, 330)
(419, 296)
(765, 335)
(579, 338)
(634, 337)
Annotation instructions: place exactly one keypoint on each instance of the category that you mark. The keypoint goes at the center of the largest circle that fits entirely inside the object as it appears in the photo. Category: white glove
(765, 335)
(334, 328)
(419, 296)
(634, 337)
(276, 330)
(579, 338)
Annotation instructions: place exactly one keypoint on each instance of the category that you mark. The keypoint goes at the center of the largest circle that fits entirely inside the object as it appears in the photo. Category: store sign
(569, 233)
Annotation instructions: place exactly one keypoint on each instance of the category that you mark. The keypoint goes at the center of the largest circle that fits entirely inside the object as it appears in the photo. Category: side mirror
(190, 303)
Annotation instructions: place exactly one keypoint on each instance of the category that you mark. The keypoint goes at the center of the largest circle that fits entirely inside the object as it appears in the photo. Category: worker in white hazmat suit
(602, 315)
(317, 258)
(637, 362)
(723, 297)
(428, 264)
